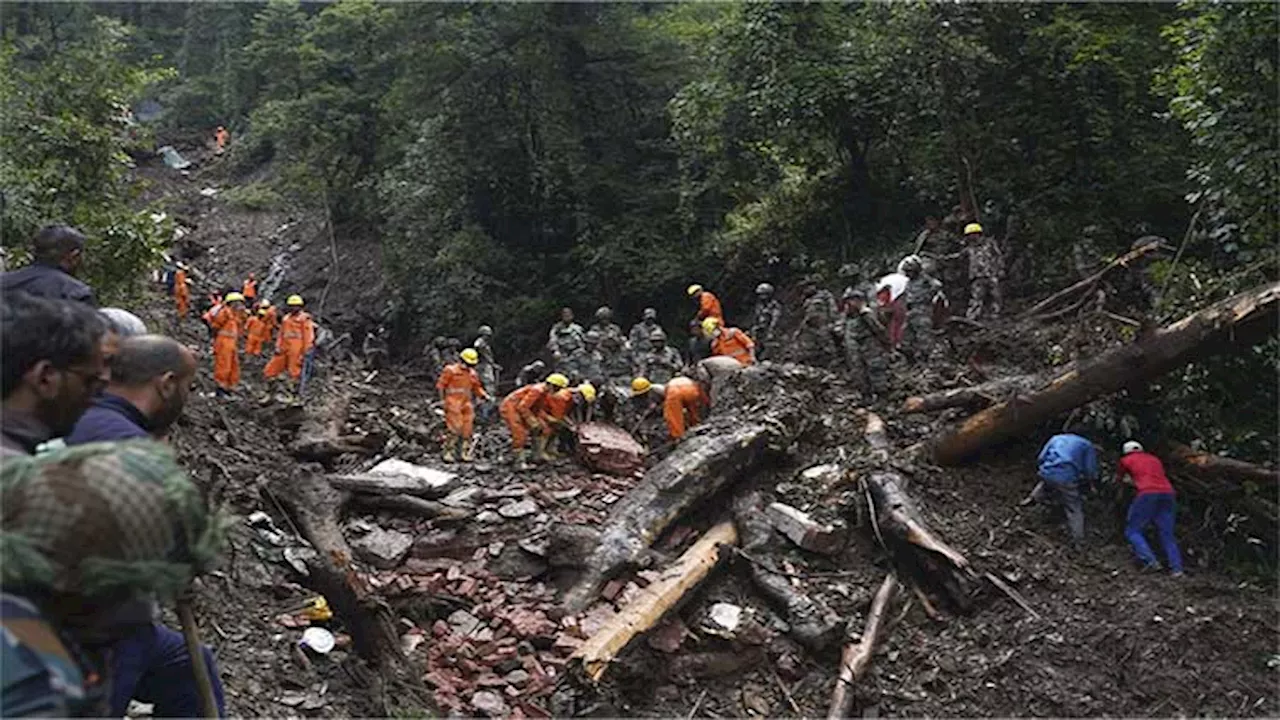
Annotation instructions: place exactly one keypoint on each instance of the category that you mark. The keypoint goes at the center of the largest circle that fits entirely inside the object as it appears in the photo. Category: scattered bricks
(489, 680)
(800, 529)
(467, 587)
(454, 572)
(512, 692)
(506, 666)
(440, 628)
(566, 642)
(612, 588)
(530, 623)
(441, 681)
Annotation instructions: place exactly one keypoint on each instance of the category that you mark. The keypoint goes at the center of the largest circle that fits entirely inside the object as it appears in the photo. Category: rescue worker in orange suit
(181, 291)
(458, 385)
(258, 330)
(559, 423)
(270, 318)
(250, 290)
(297, 337)
(220, 139)
(226, 320)
(684, 402)
(708, 304)
(729, 341)
(525, 410)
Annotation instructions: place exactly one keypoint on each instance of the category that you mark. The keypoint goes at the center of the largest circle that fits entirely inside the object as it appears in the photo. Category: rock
(668, 636)
(802, 530)
(820, 474)
(517, 677)
(609, 449)
(489, 703)
(462, 497)
(727, 616)
(463, 623)
(383, 549)
(518, 509)
(514, 562)
(488, 517)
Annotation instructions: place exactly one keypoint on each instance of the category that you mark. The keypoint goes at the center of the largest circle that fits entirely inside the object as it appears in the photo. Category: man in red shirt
(1154, 503)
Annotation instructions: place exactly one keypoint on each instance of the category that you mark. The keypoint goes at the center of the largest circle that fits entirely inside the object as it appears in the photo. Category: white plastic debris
(318, 639)
(726, 615)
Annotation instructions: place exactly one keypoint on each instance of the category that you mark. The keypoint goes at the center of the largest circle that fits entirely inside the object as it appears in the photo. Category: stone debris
(802, 530)
(383, 549)
(489, 703)
(518, 509)
(726, 615)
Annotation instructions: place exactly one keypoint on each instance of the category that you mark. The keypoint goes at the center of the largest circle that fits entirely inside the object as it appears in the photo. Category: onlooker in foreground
(151, 378)
(52, 365)
(1154, 503)
(57, 252)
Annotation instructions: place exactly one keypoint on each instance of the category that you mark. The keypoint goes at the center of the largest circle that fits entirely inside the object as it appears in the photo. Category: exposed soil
(482, 592)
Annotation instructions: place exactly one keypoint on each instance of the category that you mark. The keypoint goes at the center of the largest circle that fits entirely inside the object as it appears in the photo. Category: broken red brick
(612, 588)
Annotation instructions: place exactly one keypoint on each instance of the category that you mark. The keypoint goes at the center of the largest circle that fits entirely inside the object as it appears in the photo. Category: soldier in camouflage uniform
(660, 362)
(564, 342)
(641, 331)
(433, 355)
(919, 297)
(764, 320)
(588, 361)
(866, 345)
(613, 344)
(984, 273)
(488, 368)
(815, 342)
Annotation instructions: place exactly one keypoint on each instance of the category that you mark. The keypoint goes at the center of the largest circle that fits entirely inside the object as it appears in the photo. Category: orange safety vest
(709, 306)
(733, 343)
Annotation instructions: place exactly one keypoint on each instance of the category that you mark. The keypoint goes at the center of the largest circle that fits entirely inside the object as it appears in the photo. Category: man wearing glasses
(53, 367)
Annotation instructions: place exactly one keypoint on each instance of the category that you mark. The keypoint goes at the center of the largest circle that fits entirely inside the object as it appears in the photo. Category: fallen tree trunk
(1090, 281)
(699, 467)
(321, 437)
(974, 396)
(1237, 322)
(1222, 468)
(812, 623)
(314, 505)
(654, 601)
(856, 657)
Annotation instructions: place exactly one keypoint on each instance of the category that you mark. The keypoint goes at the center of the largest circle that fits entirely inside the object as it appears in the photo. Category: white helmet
(1132, 446)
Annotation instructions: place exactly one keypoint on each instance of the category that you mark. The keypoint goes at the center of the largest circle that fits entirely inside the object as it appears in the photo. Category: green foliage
(254, 196)
(64, 134)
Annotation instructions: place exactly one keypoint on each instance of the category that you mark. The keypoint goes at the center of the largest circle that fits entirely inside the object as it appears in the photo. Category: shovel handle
(204, 685)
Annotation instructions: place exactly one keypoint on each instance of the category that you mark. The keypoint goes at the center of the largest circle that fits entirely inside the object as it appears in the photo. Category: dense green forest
(514, 158)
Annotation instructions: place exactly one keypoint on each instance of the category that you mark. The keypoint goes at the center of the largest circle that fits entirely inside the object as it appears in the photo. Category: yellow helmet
(694, 289)
(470, 356)
(640, 386)
(233, 297)
(294, 301)
(558, 380)
(973, 228)
(588, 391)
(709, 325)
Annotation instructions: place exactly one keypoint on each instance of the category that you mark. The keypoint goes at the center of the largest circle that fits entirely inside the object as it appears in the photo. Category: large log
(654, 601)
(973, 397)
(1091, 281)
(699, 467)
(321, 437)
(1237, 322)
(1222, 468)
(857, 655)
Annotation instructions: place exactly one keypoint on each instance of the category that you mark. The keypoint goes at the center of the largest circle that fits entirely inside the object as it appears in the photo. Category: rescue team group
(99, 521)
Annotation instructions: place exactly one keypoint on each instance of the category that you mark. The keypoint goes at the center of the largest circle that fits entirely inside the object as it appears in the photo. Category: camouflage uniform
(613, 348)
(487, 368)
(866, 349)
(984, 278)
(639, 336)
(814, 338)
(918, 298)
(588, 361)
(660, 365)
(433, 355)
(566, 340)
(764, 324)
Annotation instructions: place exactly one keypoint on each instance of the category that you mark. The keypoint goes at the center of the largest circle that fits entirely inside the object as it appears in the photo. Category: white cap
(1132, 446)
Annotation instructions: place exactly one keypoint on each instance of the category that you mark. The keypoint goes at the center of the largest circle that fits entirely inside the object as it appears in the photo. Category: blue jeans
(1146, 509)
(153, 666)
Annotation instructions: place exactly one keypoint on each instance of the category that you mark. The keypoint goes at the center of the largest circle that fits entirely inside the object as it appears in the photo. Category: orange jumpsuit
(271, 321)
(709, 306)
(682, 396)
(250, 291)
(220, 138)
(226, 324)
(735, 344)
(523, 409)
(459, 384)
(257, 335)
(181, 293)
(558, 404)
(297, 336)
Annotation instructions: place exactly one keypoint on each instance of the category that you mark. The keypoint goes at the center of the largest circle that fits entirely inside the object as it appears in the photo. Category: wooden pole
(856, 657)
(204, 684)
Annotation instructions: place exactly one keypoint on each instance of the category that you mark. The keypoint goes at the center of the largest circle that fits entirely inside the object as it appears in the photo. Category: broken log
(856, 657)
(609, 449)
(1222, 468)
(1089, 282)
(974, 396)
(654, 601)
(813, 624)
(699, 467)
(321, 438)
(410, 505)
(1237, 322)
(314, 504)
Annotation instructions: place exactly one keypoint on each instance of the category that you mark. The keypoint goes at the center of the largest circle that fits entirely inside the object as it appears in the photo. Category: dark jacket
(47, 281)
(21, 434)
(111, 417)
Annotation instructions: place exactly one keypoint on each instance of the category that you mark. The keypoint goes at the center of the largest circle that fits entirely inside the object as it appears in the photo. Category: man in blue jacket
(58, 251)
(1065, 462)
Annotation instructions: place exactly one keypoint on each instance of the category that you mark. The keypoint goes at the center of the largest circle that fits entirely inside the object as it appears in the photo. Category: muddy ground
(478, 596)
